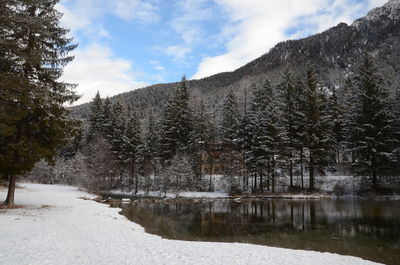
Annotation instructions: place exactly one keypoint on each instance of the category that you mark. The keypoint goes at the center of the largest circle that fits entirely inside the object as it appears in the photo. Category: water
(366, 229)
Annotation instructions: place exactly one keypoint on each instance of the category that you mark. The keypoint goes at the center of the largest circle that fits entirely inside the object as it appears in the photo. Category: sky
(129, 44)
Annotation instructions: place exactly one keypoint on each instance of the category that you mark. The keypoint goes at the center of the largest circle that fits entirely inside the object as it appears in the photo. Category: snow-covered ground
(181, 194)
(57, 226)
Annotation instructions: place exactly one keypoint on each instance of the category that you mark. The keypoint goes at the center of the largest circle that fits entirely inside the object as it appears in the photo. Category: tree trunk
(9, 202)
(136, 183)
(273, 174)
(210, 187)
(374, 180)
(291, 170)
(268, 175)
(261, 181)
(311, 180)
(301, 168)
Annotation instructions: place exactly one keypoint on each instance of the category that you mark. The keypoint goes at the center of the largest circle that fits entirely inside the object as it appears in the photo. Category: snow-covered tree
(176, 124)
(230, 140)
(370, 124)
(34, 120)
(317, 127)
(95, 116)
(131, 149)
(288, 117)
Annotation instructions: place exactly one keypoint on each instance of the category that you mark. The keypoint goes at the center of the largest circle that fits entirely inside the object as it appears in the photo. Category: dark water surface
(366, 229)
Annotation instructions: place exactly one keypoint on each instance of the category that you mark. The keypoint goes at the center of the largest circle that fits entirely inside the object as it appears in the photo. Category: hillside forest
(282, 137)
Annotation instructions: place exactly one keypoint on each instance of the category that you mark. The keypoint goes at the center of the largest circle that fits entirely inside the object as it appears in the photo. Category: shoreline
(72, 230)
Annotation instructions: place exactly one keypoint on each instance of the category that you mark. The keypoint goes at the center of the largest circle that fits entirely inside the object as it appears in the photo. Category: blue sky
(128, 44)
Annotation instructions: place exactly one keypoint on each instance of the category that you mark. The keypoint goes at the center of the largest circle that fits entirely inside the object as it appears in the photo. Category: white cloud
(135, 9)
(260, 24)
(85, 15)
(178, 51)
(375, 3)
(159, 68)
(96, 69)
(186, 23)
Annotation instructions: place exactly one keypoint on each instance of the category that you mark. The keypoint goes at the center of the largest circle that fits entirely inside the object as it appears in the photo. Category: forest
(285, 137)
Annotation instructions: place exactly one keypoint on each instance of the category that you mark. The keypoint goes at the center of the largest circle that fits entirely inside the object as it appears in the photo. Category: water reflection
(367, 229)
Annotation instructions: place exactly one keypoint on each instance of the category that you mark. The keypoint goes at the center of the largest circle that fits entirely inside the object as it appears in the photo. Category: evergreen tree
(257, 151)
(176, 123)
(370, 126)
(230, 140)
(131, 148)
(95, 118)
(338, 123)
(244, 142)
(201, 137)
(114, 133)
(288, 113)
(147, 156)
(300, 124)
(107, 119)
(230, 120)
(34, 49)
(318, 135)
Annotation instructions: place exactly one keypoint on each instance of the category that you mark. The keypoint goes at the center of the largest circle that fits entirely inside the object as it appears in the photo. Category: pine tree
(318, 135)
(230, 140)
(147, 153)
(257, 152)
(266, 133)
(338, 123)
(106, 119)
(245, 135)
(131, 149)
(371, 125)
(288, 113)
(201, 136)
(34, 49)
(183, 115)
(230, 120)
(176, 124)
(95, 118)
(114, 133)
(300, 124)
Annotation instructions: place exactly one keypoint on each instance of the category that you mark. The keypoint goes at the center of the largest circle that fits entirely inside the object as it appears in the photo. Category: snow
(180, 194)
(211, 195)
(59, 225)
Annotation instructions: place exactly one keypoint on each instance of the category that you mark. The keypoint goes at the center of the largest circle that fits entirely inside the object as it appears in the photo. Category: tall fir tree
(34, 49)
(95, 116)
(370, 124)
(147, 157)
(318, 134)
(338, 123)
(176, 123)
(201, 136)
(288, 113)
(230, 120)
(266, 133)
(231, 157)
(132, 149)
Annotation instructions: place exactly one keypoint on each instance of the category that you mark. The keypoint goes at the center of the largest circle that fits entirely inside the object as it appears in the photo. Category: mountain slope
(334, 52)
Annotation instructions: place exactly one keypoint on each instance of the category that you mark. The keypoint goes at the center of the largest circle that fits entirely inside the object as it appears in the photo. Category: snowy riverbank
(56, 226)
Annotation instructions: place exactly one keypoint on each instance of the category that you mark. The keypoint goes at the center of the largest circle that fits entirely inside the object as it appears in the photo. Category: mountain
(333, 51)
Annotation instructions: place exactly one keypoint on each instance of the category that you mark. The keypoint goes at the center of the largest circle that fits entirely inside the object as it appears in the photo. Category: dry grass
(45, 206)
(5, 207)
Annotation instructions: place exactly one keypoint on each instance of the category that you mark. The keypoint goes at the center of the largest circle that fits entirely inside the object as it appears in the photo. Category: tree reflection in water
(367, 229)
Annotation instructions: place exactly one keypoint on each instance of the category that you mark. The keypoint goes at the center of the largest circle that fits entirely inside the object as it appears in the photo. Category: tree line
(295, 131)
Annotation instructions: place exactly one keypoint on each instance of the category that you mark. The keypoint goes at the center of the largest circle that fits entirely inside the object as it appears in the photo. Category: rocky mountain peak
(390, 10)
